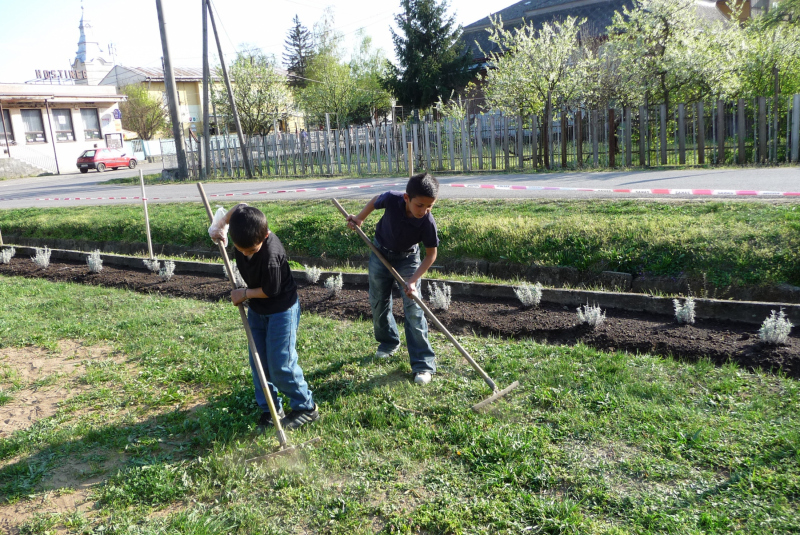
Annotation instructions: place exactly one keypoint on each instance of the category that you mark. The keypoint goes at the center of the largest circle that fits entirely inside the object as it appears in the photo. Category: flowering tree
(536, 65)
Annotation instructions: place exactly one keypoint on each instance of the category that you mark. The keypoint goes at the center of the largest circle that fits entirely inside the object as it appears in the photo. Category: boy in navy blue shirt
(406, 222)
(273, 315)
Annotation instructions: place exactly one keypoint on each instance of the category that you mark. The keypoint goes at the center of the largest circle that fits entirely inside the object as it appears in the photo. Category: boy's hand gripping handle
(262, 378)
(422, 305)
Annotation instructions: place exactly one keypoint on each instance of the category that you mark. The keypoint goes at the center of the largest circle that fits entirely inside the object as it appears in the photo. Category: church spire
(88, 48)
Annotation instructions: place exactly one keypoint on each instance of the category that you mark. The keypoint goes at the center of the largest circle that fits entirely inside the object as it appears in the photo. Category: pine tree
(433, 59)
(299, 50)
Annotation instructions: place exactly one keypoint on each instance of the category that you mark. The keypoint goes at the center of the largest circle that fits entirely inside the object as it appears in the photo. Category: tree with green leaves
(433, 59)
(143, 113)
(261, 93)
(298, 52)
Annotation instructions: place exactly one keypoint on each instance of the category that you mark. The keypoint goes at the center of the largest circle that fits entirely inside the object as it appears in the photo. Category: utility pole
(234, 111)
(206, 80)
(172, 97)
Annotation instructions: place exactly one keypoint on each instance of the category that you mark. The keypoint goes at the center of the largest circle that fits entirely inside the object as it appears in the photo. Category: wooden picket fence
(759, 131)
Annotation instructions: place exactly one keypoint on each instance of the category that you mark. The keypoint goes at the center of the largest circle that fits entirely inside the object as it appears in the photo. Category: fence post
(505, 143)
(720, 132)
(740, 133)
(663, 134)
(564, 137)
(439, 144)
(796, 128)
(642, 134)
(426, 141)
(347, 150)
(410, 159)
(465, 157)
(701, 135)
(628, 136)
(358, 151)
(367, 146)
(762, 129)
(478, 139)
(415, 140)
(492, 140)
(682, 134)
(612, 138)
(450, 147)
(593, 129)
(534, 141)
(388, 134)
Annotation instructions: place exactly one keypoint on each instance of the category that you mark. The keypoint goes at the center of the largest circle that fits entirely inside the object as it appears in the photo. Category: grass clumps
(42, 258)
(7, 254)
(684, 312)
(440, 295)
(529, 295)
(591, 315)
(94, 261)
(775, 329)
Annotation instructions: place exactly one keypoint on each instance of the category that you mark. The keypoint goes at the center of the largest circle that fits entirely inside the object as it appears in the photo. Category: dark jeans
(380, 300)
(275, 336)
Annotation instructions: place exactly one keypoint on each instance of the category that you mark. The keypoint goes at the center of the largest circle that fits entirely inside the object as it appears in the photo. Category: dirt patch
(38, 380)
(635, 332)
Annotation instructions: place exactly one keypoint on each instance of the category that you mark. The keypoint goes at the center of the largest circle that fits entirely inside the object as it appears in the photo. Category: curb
(750, 312)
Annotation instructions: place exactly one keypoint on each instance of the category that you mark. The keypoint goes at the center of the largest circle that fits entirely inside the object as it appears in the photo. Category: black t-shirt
(398, 232)
(269, 270)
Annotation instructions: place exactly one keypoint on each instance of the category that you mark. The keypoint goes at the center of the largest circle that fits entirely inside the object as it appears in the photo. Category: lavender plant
(684, 312)
(94, 261)
(591, 315)
(529, 295)
(7, 254)
(775, 329)
(312, 274)
(152, 264)
(440, 296)
(42, 258)
(334, 284)
(166, 272)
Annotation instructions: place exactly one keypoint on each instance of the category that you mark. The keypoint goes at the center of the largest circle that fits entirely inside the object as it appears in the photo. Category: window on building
(63, 125)
(34, 127)
(91, 123)
(5, 128)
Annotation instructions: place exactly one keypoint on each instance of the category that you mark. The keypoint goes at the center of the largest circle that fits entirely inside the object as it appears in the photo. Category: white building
(45, 128)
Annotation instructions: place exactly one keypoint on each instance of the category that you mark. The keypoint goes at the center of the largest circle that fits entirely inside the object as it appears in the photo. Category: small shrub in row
(440, 296)
(152, 264)
(94, 261)
(776, 328)
(313, 273)
(6, 255)
(166, 272)
(42, 258)
(591, 315)
(529, 295)
(684, 312)
(334, 284)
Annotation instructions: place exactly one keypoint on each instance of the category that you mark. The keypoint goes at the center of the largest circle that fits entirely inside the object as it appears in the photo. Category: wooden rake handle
(259, 368)
(422, 305)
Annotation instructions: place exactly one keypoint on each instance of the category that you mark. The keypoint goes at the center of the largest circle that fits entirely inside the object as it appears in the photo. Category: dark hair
(422, 185)
(248, 226)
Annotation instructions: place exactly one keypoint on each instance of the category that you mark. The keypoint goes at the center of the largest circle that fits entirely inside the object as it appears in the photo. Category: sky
(43, 34)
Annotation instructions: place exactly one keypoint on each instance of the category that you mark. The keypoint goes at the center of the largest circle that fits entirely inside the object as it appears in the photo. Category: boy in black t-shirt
(274, 312)
(406, 222)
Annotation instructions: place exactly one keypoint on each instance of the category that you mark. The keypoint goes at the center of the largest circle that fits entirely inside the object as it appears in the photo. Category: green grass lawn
(591, 442)
(727, 242)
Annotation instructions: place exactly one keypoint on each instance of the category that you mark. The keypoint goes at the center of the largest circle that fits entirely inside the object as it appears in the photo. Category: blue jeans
(380, 300)
(275, 336)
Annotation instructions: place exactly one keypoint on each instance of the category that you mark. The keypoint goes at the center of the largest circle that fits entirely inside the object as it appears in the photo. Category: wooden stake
(410, 159)
(146, 216)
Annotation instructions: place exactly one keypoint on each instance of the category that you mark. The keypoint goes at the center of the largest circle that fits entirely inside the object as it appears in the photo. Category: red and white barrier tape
(698, 192)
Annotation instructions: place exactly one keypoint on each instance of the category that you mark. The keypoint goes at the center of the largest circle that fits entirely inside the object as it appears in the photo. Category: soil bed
(637, 332)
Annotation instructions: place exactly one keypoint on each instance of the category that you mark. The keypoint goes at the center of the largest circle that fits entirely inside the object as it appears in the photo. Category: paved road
(75, 189)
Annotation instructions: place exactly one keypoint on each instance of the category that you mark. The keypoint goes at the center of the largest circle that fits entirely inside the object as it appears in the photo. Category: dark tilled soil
(626, 331)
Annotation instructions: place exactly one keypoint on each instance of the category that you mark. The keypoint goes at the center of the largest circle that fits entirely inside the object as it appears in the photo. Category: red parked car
(101, 159)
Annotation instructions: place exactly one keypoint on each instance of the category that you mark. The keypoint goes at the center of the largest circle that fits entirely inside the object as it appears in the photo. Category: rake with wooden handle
(262, 378)
(496, 392)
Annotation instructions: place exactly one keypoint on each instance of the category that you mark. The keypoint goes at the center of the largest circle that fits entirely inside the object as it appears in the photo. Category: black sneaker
(266, 418)
(299, 418)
